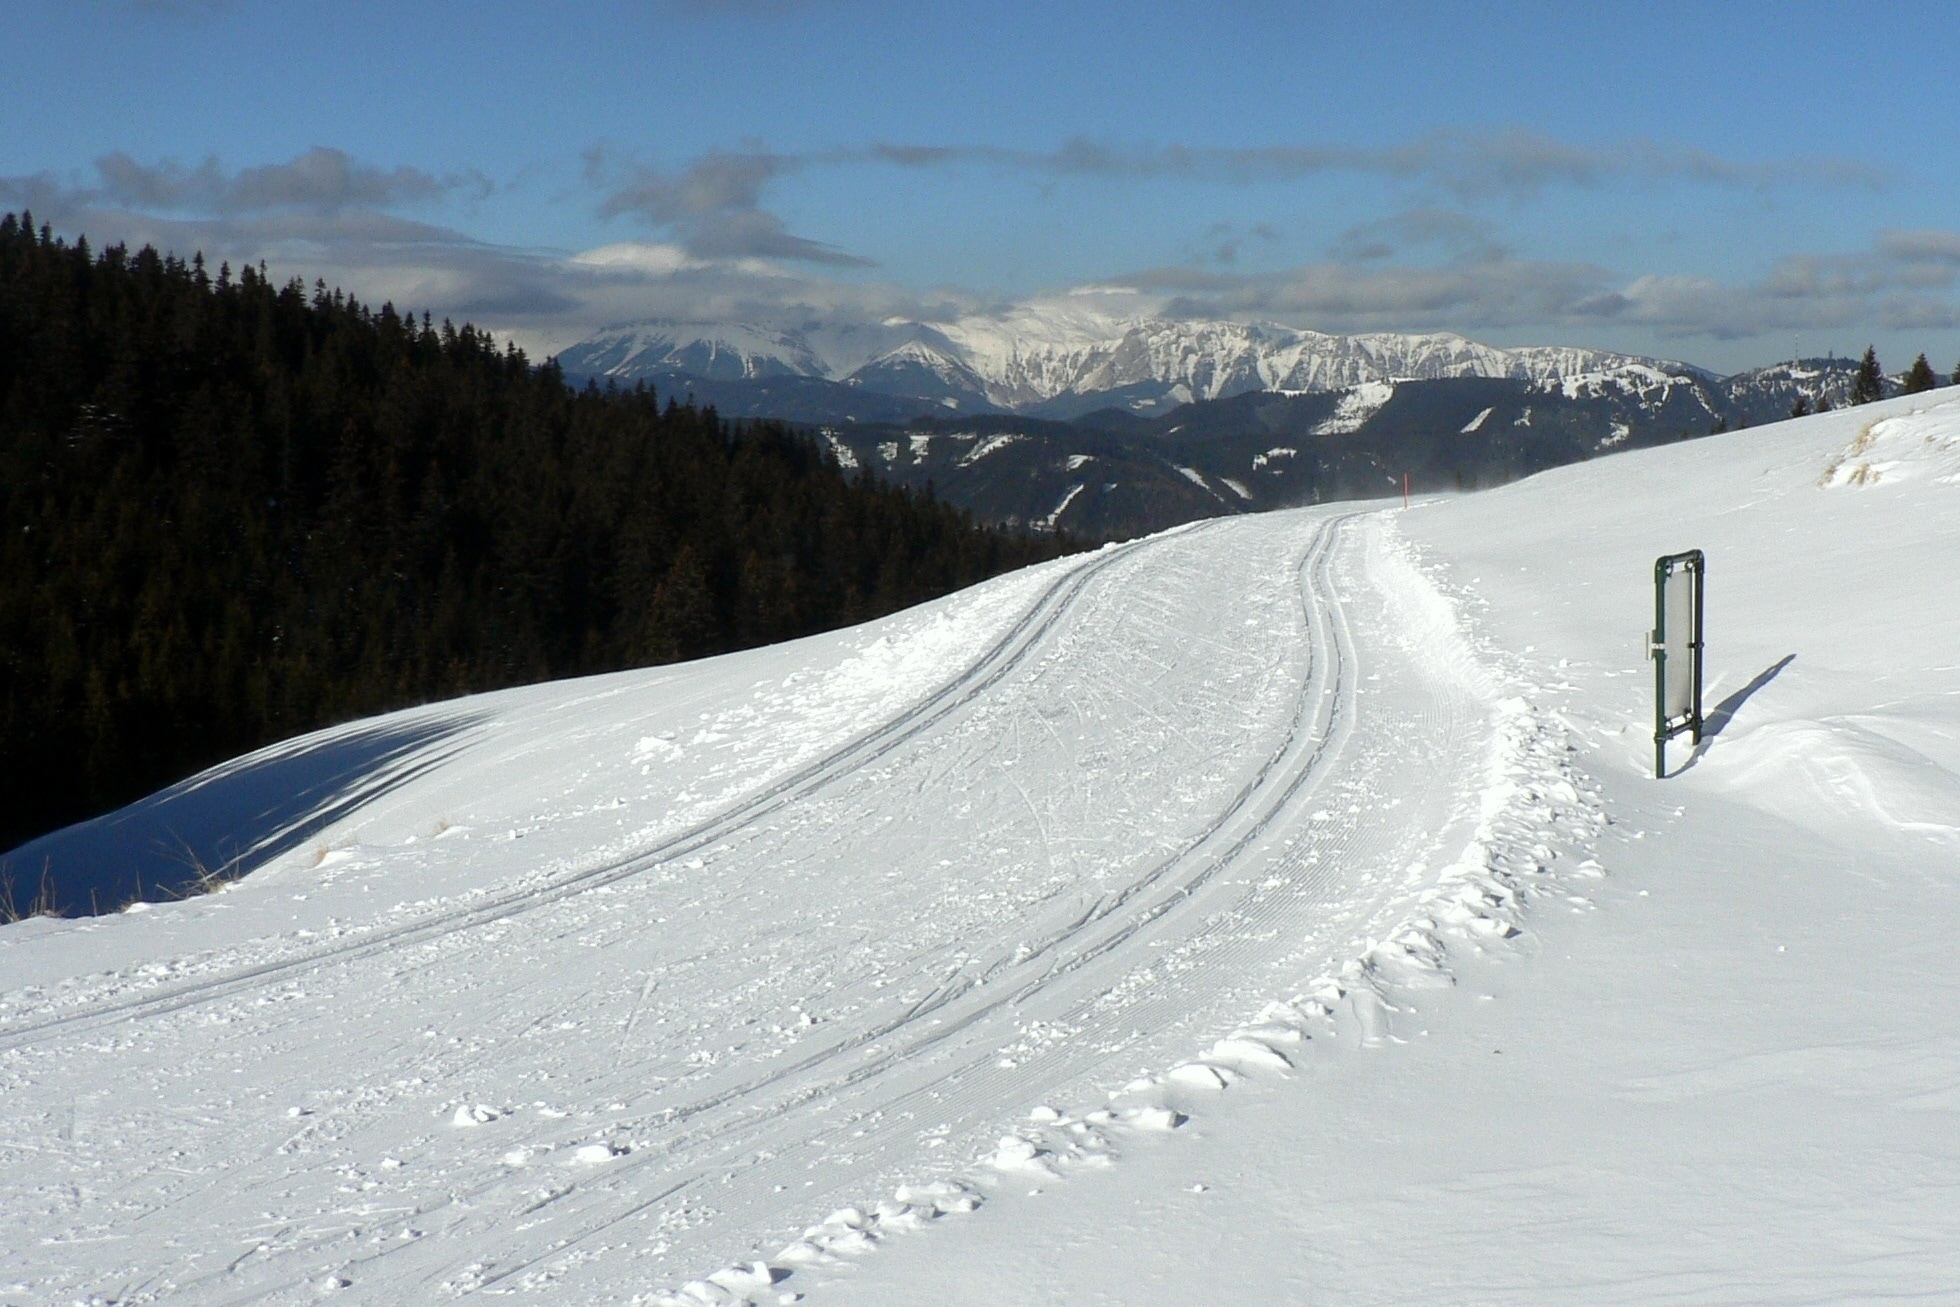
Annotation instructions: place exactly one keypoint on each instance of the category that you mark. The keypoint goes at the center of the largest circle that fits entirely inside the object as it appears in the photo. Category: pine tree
(1920, 377)
(1869, 384)
(1801, 408)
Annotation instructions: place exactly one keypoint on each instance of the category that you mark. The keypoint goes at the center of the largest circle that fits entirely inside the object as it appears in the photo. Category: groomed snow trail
(870, 925)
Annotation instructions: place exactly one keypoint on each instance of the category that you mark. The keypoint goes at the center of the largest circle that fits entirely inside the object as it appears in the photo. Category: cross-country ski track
(629, 983)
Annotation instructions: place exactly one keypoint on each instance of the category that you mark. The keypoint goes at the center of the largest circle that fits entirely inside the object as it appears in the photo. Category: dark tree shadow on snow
(229, 820)
(1725, 711)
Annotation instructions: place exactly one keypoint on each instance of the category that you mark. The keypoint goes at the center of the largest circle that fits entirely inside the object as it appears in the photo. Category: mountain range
(1059, 359)
(1058, 415)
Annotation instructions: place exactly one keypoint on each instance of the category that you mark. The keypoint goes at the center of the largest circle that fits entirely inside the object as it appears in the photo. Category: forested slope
(233, 511)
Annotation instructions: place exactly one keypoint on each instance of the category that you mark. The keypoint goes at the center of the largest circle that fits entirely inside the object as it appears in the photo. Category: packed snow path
(631, 978)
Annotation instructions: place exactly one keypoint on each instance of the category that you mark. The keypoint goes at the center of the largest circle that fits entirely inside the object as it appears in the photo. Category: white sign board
(1677, 636)
(1675, 646)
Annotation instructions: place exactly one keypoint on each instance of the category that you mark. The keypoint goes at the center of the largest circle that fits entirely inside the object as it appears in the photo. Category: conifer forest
(235, 511)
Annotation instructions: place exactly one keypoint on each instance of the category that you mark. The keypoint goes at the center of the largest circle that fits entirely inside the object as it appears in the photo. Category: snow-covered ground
(1278, 909)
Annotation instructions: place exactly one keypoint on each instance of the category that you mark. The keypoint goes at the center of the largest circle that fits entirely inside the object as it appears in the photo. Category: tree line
(232, 511)
(1868, 383)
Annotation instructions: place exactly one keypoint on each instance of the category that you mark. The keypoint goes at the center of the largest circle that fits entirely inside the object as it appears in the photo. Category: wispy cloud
(1457, 234)
(711, 249)
(1346, 296)
(1469, 165)
(322, 179)
(713, 205)
(1902, 283)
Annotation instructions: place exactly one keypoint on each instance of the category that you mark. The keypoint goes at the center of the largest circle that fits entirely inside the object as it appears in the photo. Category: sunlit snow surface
(1246, 891)
(1721, 1065)
(654, 970)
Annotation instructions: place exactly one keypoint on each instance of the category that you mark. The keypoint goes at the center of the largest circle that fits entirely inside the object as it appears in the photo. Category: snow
(846, 456)
(1061, 507)
(1716, 1062)
(1356, 406)
(990, 445)
(1476, 423)
(1098, 339)
(1898, 449)
(1625, 377)
(1277, 909)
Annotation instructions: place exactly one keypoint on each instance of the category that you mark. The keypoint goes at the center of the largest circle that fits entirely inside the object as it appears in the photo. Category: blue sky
(1714, 183)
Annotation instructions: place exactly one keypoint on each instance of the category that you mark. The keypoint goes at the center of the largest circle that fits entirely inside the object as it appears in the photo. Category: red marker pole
(1405, 490)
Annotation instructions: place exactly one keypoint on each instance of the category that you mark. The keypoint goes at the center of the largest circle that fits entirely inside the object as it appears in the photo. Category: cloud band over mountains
(708, 247)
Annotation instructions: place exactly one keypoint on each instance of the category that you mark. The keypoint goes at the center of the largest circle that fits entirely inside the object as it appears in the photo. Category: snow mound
(1819, 774)
(1923, 444)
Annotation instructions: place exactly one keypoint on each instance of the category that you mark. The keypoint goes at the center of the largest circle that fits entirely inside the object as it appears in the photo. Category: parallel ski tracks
(1002, 657)
(1321, 723)
(942, 1049)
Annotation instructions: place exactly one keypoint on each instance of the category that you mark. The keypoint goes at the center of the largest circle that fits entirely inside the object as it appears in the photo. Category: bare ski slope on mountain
(1727, 1071)
(618, 983)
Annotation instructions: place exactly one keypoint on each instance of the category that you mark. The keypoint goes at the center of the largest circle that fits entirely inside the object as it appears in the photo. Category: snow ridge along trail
(1181, 778)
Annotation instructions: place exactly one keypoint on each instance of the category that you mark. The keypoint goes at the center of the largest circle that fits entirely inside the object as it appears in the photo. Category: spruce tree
(1801, 408)
(1869, 384)
(1920, 377)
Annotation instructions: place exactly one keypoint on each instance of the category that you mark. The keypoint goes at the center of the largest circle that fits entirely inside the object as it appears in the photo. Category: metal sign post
(1675, 647)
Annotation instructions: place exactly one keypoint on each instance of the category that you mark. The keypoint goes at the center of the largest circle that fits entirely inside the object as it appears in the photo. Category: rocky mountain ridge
(1063, 364)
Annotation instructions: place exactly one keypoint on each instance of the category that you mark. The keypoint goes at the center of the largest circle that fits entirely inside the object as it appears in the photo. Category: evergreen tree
(1869, 384)
(1801, 408)
(1824, 401)
(1920, 377)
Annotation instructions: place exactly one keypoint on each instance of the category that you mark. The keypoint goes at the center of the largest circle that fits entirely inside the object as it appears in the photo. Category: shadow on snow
(1725, 711)
(227, 821)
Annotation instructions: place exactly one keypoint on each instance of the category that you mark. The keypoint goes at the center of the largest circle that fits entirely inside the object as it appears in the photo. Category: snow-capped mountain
(717, 351)
(1062, 359)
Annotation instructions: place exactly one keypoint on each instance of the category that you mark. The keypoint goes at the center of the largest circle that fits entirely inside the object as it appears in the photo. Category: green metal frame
(1665, 728)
